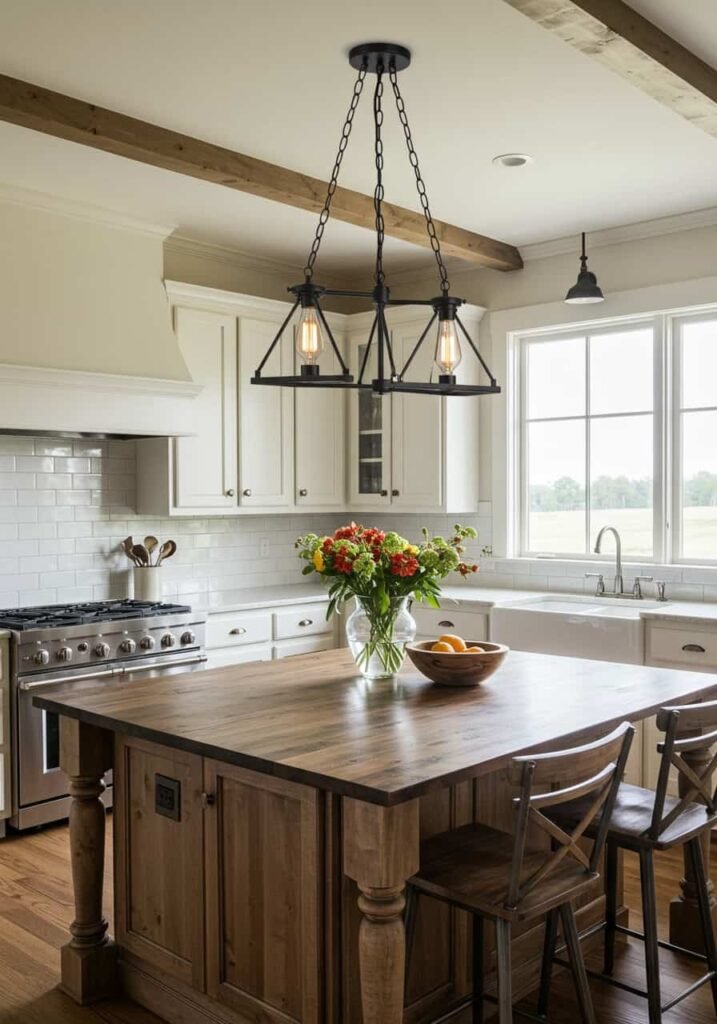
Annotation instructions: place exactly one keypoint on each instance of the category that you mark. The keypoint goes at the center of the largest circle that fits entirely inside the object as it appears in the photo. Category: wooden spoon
(127, 545)
(141, 554)
(150, 543)
(166, 551)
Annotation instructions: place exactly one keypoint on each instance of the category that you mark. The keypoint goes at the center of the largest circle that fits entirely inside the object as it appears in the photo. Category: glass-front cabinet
(411, 452)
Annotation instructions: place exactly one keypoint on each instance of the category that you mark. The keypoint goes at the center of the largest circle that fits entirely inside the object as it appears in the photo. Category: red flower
(327, 545)
(342, 560)
(348, 532)
(403, 565)
(466, 570)
(374, 538)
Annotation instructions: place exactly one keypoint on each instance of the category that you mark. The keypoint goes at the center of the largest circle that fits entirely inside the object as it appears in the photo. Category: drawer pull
(237, 631)
(306, 622)
(446, 623)
(694, 648)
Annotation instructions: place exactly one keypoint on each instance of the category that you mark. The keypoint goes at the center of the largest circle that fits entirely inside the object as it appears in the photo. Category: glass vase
(378, 638)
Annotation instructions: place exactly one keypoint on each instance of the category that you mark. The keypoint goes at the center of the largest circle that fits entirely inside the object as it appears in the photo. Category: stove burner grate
(50, 616)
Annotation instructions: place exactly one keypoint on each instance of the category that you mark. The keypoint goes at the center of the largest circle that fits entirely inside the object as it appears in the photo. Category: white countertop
(465, 594)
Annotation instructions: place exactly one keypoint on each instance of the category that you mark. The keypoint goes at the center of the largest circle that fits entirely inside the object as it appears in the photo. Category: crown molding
(625, 233)
(243, 260)
(29, 198)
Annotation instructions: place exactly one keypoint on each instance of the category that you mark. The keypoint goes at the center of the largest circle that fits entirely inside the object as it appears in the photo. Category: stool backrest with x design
(591, 771)
(689, 729)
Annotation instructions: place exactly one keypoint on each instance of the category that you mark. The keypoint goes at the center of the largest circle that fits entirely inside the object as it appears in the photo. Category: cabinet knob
(230, 492)
(384, 494)
(303, 492)
(237, 631)
(306, 622)
(208, 800)
(247, 492)
(447, 624)
(395, 493)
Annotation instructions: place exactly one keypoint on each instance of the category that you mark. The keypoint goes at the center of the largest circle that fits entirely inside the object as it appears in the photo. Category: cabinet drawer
(686, 646)
(229, 629)
(304, 620)
(310, 645)
(240, 654)
(432, 622)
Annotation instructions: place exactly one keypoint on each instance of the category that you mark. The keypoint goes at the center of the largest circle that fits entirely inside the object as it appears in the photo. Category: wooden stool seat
(471, 866)
(631, 819)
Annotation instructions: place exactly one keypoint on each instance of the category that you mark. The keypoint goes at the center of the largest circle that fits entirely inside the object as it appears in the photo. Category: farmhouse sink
(604, 628)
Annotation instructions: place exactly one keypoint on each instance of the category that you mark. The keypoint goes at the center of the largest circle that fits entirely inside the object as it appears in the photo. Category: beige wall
(77, 294)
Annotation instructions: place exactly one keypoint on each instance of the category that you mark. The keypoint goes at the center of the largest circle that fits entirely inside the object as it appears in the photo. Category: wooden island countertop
(282, 787)
(314, 720)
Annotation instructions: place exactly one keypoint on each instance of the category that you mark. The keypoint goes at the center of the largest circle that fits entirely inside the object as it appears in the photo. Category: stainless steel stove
(81, 645)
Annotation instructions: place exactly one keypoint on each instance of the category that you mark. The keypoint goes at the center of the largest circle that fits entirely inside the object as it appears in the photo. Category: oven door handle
(27, 685)
(156, 664)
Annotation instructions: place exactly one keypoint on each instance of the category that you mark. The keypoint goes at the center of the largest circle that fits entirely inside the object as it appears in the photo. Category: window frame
(676, 324)
(662, 469)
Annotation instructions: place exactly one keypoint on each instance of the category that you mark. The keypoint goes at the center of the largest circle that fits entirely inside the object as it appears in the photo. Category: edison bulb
(309, 337)
(448, 348)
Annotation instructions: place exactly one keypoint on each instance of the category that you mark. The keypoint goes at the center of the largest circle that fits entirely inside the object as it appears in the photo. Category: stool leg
(649, 917)
(703, 900)
(546, 970)
(409, 926)
(478, 987)
(503, 963)
(611, 855)
(577, 964)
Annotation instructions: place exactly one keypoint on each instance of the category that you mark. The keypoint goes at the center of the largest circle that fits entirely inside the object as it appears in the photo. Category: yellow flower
(318, 561)
(411, 549)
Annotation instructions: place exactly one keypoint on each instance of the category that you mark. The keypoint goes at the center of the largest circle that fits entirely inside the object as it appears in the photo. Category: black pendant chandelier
(586, 289)
(312, 329)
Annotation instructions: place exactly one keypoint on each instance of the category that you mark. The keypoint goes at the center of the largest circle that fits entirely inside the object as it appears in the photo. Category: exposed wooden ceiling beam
(613, 33)
(67, 118)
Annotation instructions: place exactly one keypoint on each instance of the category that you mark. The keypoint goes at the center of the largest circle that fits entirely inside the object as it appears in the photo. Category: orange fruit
(473, 650)
(456, 642)
(442, 648)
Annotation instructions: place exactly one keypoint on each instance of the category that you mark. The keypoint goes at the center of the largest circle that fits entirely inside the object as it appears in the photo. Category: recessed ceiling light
(512, 160)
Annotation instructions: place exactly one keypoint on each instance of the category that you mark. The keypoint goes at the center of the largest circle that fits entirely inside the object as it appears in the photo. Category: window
(618, 426)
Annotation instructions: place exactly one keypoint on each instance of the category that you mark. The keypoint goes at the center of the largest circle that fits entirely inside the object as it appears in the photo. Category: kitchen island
(267, 817)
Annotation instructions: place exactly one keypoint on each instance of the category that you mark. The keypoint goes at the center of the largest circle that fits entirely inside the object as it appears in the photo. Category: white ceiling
(270, 79)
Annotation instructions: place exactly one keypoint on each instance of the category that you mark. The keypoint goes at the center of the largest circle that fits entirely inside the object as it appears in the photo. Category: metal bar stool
(645, 821)
(497, 877)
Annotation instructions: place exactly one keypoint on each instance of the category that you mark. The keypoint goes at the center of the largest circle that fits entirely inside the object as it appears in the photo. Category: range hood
(86, 341)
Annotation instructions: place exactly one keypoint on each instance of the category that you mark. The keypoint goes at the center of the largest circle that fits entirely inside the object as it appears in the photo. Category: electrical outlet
(264, 548)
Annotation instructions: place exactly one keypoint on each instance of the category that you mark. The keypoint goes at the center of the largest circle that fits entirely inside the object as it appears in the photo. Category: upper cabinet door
(369, 434)
(417, 477)
(205, 465)
(320, 439)
(266, 428)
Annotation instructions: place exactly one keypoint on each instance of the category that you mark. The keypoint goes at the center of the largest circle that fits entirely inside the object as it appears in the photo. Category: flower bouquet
(383, 572)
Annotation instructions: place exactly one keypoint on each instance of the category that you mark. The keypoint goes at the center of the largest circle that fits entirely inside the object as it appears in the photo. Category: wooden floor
(36, 909)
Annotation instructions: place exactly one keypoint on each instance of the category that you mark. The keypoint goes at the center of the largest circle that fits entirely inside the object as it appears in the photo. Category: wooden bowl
(457, 669)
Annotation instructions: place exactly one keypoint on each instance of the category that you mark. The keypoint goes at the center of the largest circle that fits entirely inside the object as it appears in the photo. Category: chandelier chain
(333, 181)
(378, 193)
(420, 184)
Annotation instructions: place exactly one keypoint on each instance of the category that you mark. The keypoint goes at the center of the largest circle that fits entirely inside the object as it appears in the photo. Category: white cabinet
(432, 622)
(261, 634)
(266, 428)
(320, 442)
(205, 469)
(411, 452)
(248, 448)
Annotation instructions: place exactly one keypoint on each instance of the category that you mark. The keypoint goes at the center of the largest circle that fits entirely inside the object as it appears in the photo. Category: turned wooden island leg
(381, 850)
(685, 927)
(89, 958)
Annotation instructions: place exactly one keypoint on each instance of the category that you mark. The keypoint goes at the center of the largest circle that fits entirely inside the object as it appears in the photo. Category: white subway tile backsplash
(33, 464)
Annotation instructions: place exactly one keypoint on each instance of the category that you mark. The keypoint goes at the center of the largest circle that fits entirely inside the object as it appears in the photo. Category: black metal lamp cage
(379, 59)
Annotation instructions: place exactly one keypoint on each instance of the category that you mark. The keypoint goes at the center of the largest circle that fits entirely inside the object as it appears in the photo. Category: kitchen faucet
(618, 586)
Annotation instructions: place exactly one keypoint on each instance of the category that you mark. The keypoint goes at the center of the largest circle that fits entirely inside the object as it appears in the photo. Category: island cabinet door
(264, 874)
(159, 903)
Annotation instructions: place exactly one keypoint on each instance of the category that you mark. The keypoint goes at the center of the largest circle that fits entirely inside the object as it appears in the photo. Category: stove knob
(188, 637)
(102, 650)
(147, 643)
(64, 654)
(169, 640)
(41, 657)
(128, 646)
